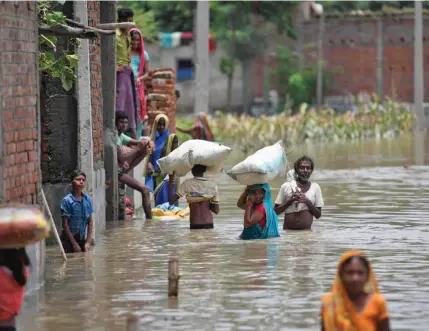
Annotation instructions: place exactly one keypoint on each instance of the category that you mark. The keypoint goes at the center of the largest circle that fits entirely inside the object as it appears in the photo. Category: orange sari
(338, 311)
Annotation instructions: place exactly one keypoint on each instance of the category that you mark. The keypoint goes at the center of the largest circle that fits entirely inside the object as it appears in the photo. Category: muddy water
(372, 203)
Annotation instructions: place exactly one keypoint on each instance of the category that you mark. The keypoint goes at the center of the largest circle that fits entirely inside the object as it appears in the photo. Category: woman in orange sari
(355, 302)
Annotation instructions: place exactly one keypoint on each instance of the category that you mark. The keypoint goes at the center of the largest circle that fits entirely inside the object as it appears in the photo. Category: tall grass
(370, 120)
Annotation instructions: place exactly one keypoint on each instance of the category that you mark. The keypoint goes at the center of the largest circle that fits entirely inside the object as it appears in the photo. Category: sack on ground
(192, 152)
(263, 166)
(21, 225)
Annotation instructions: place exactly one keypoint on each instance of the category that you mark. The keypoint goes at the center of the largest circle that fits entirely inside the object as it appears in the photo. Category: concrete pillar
(202, 63)
(418, 65)
(108, 77)
(83, 91)
(319, 91)
(380, 65)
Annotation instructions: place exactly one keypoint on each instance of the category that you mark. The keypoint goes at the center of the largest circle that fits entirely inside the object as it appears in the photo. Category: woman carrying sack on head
(14, 273)
(260, 219)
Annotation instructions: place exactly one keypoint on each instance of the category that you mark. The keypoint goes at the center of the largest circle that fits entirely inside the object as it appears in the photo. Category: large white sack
(263, 166)
(192, 152)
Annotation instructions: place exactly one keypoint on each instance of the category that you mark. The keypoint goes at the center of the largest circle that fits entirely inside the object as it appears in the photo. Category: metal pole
(320, 61)
(418, 65)
(202, 63)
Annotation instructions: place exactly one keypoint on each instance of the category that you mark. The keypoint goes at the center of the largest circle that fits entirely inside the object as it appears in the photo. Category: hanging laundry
(176, 38)
(187, 35)
(166, 40)
(212, 43)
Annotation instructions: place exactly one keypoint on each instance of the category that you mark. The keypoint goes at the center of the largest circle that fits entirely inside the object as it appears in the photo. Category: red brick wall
(350, 48)
(96, 94)
(18, 107)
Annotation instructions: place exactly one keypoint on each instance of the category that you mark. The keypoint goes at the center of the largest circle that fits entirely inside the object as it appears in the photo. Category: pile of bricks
(161, 95)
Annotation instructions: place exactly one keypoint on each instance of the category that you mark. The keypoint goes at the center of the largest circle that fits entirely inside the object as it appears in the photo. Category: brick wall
(18, 102)
(96, 94)
(350, 48)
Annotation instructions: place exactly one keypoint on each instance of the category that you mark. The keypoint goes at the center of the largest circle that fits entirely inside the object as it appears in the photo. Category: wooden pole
(133, 322)
(114, 26)
(54, 228)
(173, 278)
(418, 65)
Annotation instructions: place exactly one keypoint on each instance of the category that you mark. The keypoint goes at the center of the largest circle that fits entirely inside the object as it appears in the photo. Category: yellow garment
(123, 47)
(152, 138)
(181, 214)
(199, 189)
(170, 143)
(155, 124)
(338, 311)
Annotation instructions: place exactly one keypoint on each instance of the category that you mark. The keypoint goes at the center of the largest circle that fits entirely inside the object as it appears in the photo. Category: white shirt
(314, 194)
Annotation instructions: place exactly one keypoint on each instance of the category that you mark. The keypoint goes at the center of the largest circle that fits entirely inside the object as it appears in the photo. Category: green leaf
(67, 80)
(73, 60)
(49, 40)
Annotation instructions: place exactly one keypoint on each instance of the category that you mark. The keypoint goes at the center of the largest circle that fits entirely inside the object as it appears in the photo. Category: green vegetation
(300, 86)
(371, 120)
(346, 6)
(58, 63)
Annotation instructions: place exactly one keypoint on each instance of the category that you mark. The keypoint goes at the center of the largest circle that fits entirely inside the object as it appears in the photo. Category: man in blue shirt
(76, 214)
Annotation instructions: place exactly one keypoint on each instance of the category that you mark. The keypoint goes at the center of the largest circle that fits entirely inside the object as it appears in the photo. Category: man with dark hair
(126, 96)
(130, 153)
(125, 15)
(202, 196)
(301, 199)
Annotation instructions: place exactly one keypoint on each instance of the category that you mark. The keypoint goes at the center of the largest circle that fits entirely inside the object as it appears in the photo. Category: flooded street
(372, 204)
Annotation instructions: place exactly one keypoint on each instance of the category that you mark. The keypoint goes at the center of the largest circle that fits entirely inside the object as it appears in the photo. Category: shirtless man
(202, 196)
(299, 198)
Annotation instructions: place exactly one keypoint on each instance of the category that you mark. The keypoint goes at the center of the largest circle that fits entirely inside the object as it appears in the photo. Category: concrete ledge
(99, 200)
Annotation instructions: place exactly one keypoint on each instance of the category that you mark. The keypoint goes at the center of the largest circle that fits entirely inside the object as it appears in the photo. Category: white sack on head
(192, 152)
(261, 167)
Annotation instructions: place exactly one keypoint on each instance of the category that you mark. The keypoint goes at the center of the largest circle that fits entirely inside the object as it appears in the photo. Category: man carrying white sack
(202, 196)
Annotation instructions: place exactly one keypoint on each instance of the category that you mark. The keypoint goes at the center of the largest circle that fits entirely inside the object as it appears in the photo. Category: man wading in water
(299, 198)
(201, 194)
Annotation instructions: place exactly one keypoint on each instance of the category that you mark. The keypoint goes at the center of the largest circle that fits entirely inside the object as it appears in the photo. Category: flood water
(372, 203)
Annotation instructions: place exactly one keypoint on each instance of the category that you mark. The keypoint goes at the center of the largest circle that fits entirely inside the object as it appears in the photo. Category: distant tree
(243, 28)
(143, 17)
(172, 16)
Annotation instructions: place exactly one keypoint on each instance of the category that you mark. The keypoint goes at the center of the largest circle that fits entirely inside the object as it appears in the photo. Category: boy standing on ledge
(76, 214)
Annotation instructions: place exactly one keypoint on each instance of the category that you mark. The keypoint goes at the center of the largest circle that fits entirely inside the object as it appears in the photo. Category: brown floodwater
(372, 203)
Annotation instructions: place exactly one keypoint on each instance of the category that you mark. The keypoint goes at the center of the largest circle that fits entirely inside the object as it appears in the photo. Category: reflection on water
(229, 284)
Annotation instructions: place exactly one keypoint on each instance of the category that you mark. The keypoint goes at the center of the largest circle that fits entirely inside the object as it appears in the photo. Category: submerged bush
(370, 120)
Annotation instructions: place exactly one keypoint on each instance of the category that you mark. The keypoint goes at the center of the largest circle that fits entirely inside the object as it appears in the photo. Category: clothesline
(176, 39)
